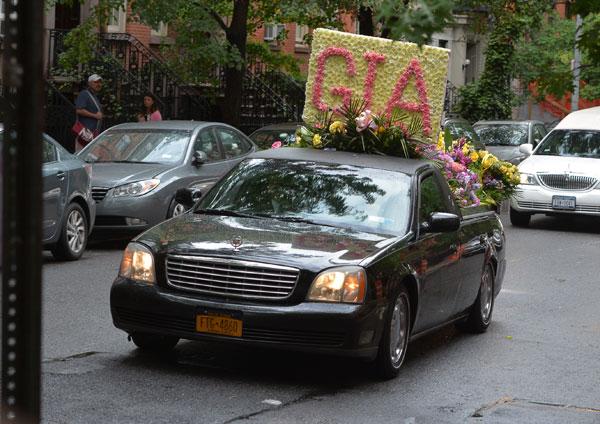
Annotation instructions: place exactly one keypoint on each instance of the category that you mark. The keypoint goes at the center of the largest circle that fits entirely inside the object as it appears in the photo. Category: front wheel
(519, 219)
(74, 234)
(154, 342)
(394, 340)
(175, 209)
(480, 315)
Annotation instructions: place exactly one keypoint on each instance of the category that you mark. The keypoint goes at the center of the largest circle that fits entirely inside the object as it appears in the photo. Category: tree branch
(219, 20)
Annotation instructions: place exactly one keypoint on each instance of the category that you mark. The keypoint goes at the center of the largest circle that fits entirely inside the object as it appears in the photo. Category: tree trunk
(234, 78)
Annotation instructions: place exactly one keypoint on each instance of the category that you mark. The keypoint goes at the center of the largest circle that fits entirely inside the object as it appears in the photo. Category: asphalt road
(538, 363)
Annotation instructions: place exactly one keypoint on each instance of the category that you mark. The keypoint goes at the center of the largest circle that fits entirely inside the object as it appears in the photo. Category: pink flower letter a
(414, 67)
(320, 77)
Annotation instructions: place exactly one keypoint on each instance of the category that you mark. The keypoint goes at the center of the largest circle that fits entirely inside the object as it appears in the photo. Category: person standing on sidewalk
(149, 111)
(88, 108)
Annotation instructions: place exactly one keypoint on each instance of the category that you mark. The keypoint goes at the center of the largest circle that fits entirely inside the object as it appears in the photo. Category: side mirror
(526, 149)
(187, 197)
(441, 222)
(199, 158)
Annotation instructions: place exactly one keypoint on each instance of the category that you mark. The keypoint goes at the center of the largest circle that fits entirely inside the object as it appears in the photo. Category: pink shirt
(154, 116)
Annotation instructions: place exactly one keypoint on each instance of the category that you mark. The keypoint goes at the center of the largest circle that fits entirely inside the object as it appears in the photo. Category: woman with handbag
(88, 113)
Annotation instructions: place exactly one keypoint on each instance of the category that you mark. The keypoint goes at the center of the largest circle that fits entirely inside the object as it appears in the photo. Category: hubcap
(399, 330)
(486, 295)
(178, 209)
(76, 231)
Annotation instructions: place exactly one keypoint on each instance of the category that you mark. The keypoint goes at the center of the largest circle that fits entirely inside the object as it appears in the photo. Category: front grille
(98, 193)
(132, 318)
(567, 181)
(231, 277)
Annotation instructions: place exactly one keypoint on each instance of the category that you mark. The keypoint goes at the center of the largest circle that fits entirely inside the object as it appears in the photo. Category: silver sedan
(138, 168)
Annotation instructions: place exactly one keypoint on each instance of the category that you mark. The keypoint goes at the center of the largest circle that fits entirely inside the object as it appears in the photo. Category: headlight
(528, 179)
(344, 284)
(137, 264)
(136, 189)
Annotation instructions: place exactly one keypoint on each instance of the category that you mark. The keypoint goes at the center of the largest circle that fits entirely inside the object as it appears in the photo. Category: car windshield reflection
(138, 146)
(577, 143)
(503, 135)
(365, 199)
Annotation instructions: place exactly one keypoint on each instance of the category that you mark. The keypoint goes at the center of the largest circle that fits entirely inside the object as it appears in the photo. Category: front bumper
(538, 199)
(113, 213)
(340, 329)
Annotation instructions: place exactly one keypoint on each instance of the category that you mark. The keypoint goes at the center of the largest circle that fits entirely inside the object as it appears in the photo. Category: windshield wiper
(124, 161)
(294, 219)
(225, 212)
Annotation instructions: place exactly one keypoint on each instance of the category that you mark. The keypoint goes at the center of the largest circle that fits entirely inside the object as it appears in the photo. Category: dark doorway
(67, 17)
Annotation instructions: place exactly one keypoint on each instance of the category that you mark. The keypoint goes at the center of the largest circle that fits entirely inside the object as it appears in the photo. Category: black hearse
(312, 250)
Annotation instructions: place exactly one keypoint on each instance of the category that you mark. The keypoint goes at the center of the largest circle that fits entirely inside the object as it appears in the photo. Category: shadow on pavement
(578, 224)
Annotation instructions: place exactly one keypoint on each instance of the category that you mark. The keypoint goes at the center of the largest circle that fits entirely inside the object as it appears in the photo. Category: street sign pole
(22, 210)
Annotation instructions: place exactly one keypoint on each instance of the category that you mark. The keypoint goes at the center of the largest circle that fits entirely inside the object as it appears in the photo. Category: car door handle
(60, 175)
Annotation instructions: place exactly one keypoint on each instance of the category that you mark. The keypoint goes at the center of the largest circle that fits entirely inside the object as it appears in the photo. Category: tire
(519, 219)
(480, 315)
(175, 209)
(74, 235)
(394, 340)
(154, 342)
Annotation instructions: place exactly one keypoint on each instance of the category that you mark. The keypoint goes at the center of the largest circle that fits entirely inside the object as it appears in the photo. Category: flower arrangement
(475, 177)
(354, 128)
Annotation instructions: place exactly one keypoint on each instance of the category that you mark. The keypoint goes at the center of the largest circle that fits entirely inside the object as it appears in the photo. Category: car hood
(115, 174)
(504, 152)
(561, 165)
(305, 246)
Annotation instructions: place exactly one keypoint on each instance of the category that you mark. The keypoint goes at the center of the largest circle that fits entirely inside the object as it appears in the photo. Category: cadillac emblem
(236, 242)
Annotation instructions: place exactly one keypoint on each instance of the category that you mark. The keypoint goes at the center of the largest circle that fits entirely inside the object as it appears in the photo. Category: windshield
(150, 146)
(462, 129)
(503, 134)
(578, 143)
(365, 199)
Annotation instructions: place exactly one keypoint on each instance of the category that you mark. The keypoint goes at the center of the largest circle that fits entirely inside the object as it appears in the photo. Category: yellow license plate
(218, 324)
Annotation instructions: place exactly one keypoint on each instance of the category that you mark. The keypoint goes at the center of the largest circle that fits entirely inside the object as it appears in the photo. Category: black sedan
(319, 251)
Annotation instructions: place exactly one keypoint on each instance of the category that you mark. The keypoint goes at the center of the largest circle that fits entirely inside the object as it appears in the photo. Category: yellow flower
(440, 142)
(488, 161)
(380, 130)
(337, 127)
(504, 169)
(316, 141)
(474, 156)
(482, 153)
(465, 150)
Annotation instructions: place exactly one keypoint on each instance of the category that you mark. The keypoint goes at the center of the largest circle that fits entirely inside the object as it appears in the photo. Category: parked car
(68, 208)
(460, 127)
(285, 133)
(562, 174)
(503, 138)
(318, 251)
(138, 167)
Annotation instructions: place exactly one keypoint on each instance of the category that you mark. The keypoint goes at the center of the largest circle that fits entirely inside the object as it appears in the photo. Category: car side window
(48, 152)
(207, 143)
(431, 198)
(233, 144)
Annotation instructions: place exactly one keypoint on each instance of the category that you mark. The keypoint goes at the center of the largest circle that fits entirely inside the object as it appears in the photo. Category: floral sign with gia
(388, 77)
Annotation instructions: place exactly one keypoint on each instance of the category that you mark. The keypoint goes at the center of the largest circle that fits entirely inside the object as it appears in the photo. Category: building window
(272, 31)
(443, 43)
(118, 19)
(301, 33)
(161, 31)
(1, 18)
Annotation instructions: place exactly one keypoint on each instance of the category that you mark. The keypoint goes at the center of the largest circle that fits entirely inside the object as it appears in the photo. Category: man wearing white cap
(88, 109)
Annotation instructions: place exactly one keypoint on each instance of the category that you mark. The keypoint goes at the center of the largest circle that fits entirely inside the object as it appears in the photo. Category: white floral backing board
(387, 74)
